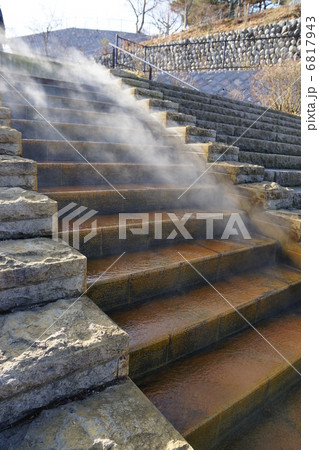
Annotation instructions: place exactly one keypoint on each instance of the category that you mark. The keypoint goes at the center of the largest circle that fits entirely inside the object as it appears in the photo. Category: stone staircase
(187, 306)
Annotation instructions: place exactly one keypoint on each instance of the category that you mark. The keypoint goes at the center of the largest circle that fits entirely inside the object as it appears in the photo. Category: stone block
(238, 173)
(267, 195)
(120, 414)
(25, 214)
(56, 351)
(34, 271)
(10, 141)
(18, 172)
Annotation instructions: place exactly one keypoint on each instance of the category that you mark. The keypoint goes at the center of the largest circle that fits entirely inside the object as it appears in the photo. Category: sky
(22, 17)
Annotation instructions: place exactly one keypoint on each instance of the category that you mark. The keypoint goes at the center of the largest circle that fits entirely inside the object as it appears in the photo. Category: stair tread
(192, 391)
(166, 256)
(280, 422)
(120, 187)
(164, 316)
(112, 220)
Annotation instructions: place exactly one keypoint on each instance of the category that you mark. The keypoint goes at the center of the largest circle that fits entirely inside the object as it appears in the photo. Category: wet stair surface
(191, 353)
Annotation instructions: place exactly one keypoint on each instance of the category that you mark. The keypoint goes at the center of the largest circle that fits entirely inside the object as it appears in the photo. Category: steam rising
(144, 139)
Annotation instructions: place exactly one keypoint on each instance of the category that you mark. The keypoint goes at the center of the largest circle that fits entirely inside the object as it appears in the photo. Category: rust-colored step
(71, 173)
(144, 274)
(174, 326)
(107, 239)
(78, 151)
(277, 426)
(207, 395)
(138, 198)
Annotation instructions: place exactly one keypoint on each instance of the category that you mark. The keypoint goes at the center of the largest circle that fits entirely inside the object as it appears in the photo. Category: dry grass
(279, 87)
(253, 20)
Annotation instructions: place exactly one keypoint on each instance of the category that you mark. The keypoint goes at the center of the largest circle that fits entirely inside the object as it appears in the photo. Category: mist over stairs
(151, 340)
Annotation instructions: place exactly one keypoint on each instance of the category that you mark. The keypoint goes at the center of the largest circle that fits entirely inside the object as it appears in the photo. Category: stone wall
(251, 47)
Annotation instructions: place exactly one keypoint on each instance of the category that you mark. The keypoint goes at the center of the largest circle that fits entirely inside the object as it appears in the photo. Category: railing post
(113, 58)
(144, 67)
(116, 50)
(150, 74)
(224, 55)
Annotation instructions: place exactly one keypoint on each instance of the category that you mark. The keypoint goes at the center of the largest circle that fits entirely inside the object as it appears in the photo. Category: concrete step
(144, 274)
(39, 270)
(192, 134)
(139, 198)
(271, 160)
(222, 117)
(10, 141)
(235, 172)
(33, 129)
(280, 422)
(78, 151)
(172, 119)
(189, 93)
(200, 97)
(79, 174)
(216, 151)
(142, 93)
(25, 214)
(12, 100)
(75, 424)
(54, 352)
(207, 395)
(158, 335)
(285, 177)
(260, 134)
(50, 81)
(265, 195)
(67, 115)
(33, 90)
(260, 146)
(222, 106)
(158, 105)
(18, 172)
(107, 240)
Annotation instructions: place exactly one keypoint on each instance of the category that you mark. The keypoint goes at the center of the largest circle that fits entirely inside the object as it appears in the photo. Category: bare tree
(45, 31)
(141, 8)
(166, 20)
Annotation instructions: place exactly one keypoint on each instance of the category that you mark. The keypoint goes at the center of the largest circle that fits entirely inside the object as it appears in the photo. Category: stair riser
(234, 105)
(77, 132)
(107, 241)
(67, 116)
(188, 341)
(84, 176)
(250, 133)
(211, 117)
(260, 146)
(12, 99)
(43, 151)
(224, 108)
(271, 161)
(284, 178)
(124, 291)
(59, 91)
(208, 435)
(110, 202)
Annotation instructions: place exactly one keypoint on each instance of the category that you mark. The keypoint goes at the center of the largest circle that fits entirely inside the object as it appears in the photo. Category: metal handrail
(153, 67)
